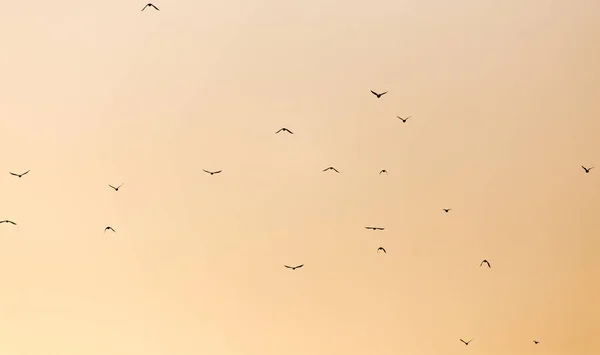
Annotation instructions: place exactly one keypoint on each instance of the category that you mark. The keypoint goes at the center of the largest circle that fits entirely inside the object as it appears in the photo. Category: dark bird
(212, 172)
(331, 168)
(7, 221)
(116, 188)
(383, 171)
(404, 119)
(382, 249)
(150, 5)
(587, 170)
(19, 175)
(378, 95)
(294, 267)
(467, 342)
(536, 342)
(446, 209)
(285, 130)
(375, 228)
(485, 261)
(107, 228)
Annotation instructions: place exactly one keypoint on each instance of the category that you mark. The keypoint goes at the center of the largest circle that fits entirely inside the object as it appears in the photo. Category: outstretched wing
(14, 174)
(206, 171)
(334, 169)
(216, 172)
(155, 7)
(488, 264)
(112, 186)
(383, 93)
(144, 7)
(463, 341)
(120, 185)
(281, 129)
(26, 172)
(289, 131)
(374, 93)
(299, 266)
(11, 222)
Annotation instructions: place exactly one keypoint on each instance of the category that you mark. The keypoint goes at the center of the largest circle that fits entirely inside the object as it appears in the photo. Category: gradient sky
(504, 103)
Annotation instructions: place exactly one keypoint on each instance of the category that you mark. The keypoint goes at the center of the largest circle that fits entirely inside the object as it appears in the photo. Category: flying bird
(382, 249)
(116, 188)
(378, 95)
(109, 228)
(150, 5)
(467, 342)
(212, 172)
(375, 228)
(383, 171)
(446, 209)
(285, 130)
(487, 262)
(19, 175)
(536, 342)
(294, 267)
(331, 168)
(587, 170)
(404, 119)
(7, 221)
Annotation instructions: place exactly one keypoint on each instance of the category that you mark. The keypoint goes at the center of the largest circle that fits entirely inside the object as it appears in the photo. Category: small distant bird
(109, 228)
(467, 342)
(383, 171)
(404, 119)
(116, 188)
(19, 175)
(536, 342)
(378, 95)
(487, 262)
(294, 267)
(212, 172)
(150, 5)
(7, 221)
(375, 228)
(382, 249)
(587, 170)
(285, 130)
(446, 209)
(331, 168)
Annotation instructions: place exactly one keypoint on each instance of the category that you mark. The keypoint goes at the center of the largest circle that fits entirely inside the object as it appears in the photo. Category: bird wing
(470, 340)
(326, 169)
(216, 172)
(14, 174)
(584, 168)
(144, 7)
(299, 266)
(374, 93)
(481, 264)
(463, 341)
(155, 8)
(334, 169)
(383, 93)
(120, 185)
(488, 263)
(290, 131)
(369, 227)
(281, 129)
(112, 186)
(26, 172)
(11, 222)
(206, 171)
(289, 267)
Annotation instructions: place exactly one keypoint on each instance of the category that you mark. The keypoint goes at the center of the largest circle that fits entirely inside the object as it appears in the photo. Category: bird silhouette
(331, 168)
(20, 175)
(294, 267)
(487, 262)
(7, 221)
(382, 249)
(212, 172)
(404, 119)
(383, 171)
(375, 228)
(116, 188)
(150, 5)
(446, 209)
(109, 228)
(467, 342)
(536, 342)
(378, 95)
(285, 130)
(587, 170)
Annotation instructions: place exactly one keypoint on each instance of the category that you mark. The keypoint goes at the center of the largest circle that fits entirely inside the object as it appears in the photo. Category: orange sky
(504, 103)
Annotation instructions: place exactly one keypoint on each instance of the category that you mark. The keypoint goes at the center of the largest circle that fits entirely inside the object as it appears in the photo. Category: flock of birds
(286, 130)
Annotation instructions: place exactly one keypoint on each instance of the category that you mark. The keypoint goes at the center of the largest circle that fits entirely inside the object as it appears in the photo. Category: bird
(116, 188)
(331, 168)
(375, 228)
(109, 227)
(285, 130)
(382, 249)
(294, 267)
(212, 172)
(378, 95)
(404, 119)
(487, 262)
(150, 5)
(446, 209)
(587, 170)
(383, 171)
(19, 175)
(536, 342)
(7, 221)
(467, 342)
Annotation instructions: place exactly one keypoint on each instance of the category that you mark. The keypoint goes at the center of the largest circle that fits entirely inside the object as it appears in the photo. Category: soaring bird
(150, 5)
(109, 228)
(285, 130)
(378, 95)
(382, 249)
(404, 119)
(331, 168)
(294, 267)
(375, 228)
(536, 342)
(485, 261)
(19, 175)
(116, 188)
(467, 342)
(212, 172)
(383, 171)
(446, 209)
(7, 221)
(587, 170)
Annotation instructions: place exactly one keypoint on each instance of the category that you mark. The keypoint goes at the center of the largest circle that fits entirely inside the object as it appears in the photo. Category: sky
(503, 98)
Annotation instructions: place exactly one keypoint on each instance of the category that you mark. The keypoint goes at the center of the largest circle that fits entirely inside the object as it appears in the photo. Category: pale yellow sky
(504, 103)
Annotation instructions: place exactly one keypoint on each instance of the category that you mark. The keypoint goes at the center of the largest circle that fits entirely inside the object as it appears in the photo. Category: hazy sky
(504, 103)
